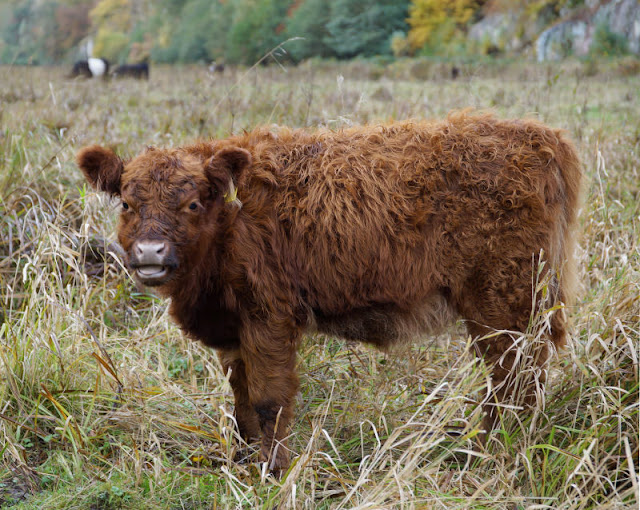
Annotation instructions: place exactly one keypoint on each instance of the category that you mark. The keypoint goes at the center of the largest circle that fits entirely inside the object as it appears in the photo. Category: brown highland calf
(374, 233)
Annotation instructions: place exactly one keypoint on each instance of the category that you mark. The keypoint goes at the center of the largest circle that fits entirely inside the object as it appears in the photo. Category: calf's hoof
(277, 458)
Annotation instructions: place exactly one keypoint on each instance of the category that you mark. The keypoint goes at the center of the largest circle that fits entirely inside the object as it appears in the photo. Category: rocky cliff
(593, 26)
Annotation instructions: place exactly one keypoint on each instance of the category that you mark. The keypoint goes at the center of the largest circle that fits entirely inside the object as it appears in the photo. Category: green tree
(257, 27)
(199, 35)
(28, 36)
(194, 31)
(14, 34)
(309, 20)
(607, 43)
(364, 27)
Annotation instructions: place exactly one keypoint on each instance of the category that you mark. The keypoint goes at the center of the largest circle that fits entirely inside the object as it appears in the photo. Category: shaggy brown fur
(372, 233)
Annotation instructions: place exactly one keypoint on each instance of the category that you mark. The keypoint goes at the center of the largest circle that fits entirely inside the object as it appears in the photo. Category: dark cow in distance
(139, 71)
(376, 234)
(90, 68)
(81, 68)
(215, 67)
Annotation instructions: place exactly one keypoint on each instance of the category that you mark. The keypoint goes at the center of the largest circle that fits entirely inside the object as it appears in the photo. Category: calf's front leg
(246, 417)
(268, 351)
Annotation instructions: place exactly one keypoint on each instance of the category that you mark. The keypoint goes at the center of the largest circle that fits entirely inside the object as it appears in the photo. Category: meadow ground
(104, 404)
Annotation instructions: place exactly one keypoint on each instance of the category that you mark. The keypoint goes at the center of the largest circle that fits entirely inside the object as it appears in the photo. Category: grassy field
(105, 405)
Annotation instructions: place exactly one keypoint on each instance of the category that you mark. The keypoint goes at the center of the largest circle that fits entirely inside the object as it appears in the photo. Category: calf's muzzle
(149, 260)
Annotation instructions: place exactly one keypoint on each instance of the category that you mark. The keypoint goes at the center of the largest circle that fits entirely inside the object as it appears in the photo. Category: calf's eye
(193, 206)
(125, 206)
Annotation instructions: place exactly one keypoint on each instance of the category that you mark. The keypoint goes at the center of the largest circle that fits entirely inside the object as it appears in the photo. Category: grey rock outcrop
(576, 36)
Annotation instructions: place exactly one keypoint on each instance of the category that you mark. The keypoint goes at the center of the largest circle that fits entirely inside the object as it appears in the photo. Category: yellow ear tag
(230, 197)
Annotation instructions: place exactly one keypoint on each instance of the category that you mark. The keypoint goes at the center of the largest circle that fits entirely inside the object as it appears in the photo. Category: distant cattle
(455, 72)
(139, 71)
(373, 233)
(216, 67)
(90, 68)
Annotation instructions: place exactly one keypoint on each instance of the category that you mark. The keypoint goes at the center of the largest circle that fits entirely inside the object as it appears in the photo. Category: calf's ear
(102, 167)
(225, 167)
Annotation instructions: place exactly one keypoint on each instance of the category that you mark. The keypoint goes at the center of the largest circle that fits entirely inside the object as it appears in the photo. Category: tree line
(239, 31)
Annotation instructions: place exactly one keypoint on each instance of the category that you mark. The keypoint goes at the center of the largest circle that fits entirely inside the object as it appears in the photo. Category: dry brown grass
(106, 405)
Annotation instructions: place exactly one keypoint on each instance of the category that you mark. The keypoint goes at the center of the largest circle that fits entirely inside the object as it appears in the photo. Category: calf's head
(173, 202)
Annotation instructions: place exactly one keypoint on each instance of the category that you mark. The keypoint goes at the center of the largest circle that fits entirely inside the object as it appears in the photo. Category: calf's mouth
(152, 275)
(151, 271)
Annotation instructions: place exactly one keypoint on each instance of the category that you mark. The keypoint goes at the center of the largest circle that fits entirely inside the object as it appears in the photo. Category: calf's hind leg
(517, 374)
(502, 300)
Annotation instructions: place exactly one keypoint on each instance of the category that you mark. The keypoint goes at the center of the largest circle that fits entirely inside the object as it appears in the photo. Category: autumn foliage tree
(112, 18)
(435, 22)
(72, 25)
